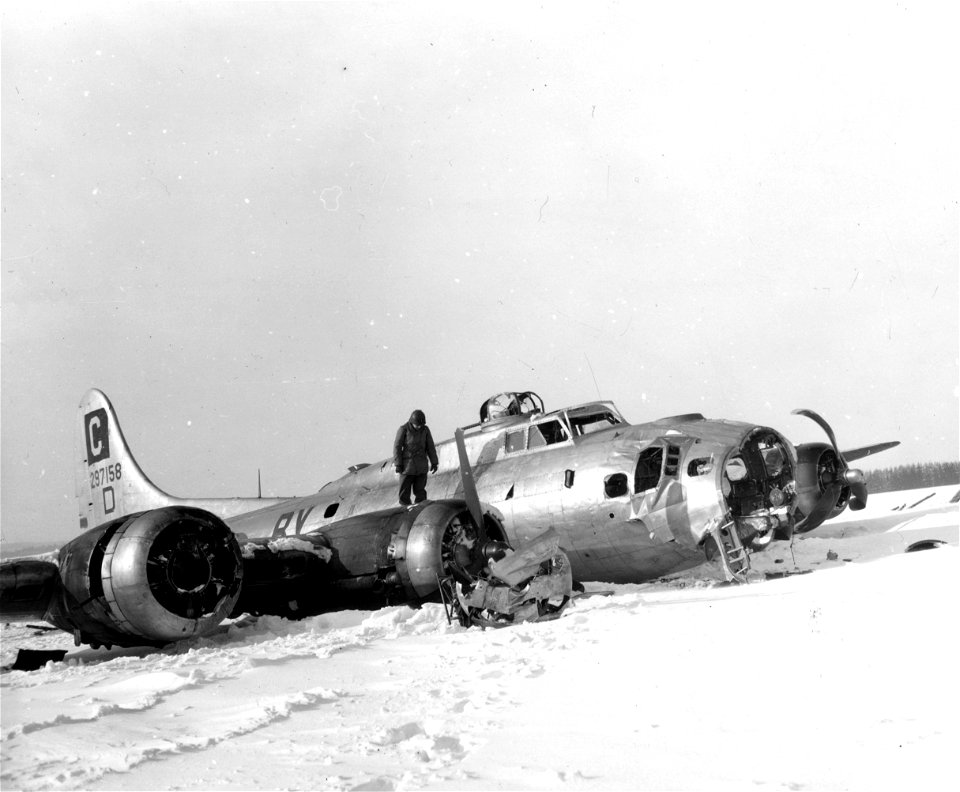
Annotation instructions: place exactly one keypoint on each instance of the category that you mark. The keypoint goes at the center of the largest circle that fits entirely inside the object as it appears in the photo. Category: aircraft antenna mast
(592, 375)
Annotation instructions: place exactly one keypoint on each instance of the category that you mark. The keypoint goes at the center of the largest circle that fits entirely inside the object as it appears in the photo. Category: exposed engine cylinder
(153, 577)
(442, 540)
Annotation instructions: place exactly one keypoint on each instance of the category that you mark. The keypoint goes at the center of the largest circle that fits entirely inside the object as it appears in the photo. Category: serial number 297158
(104, 474)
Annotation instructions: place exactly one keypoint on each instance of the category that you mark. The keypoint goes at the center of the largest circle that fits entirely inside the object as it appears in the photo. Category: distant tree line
(915, 476)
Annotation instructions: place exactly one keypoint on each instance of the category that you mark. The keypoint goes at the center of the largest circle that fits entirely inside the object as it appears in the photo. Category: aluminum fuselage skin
(585, 486)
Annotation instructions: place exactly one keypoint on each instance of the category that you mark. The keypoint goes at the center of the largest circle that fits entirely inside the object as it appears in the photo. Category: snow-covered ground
(846, 678)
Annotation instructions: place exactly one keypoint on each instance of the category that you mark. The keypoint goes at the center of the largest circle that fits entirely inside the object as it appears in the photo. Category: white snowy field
(844, 678)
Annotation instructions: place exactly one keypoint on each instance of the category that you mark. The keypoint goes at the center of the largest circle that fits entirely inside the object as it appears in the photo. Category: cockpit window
(546, 433)
(649, 465)
(514, 441)
(585, 424)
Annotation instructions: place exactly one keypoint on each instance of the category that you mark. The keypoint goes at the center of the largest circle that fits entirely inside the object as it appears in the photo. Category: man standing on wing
(412, 449)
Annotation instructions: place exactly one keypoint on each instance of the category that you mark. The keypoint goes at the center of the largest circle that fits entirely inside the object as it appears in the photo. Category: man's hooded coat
(413, 450)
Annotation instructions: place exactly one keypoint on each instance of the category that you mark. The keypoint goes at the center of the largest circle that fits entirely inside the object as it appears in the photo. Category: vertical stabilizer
(110, 483)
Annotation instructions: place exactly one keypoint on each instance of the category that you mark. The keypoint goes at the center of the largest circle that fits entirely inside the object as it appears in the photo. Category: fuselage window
(649, 465)
(514, 441)
(700, 467)
(593, 423)
(546, 433)
(615, 485)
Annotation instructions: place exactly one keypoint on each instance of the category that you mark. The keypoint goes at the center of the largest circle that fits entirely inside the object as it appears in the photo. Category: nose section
(759, 485)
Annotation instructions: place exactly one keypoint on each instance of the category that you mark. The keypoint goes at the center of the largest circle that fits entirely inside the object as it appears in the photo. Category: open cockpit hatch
(510, 403)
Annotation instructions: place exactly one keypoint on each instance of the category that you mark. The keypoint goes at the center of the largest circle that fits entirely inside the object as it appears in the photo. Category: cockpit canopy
(507, 404)
(593, 418)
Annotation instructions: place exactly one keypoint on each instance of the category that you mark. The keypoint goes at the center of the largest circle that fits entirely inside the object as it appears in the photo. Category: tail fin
(110, 483)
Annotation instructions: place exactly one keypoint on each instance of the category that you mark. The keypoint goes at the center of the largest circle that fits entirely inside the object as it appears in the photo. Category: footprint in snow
(381, 784)
(399, 734)
(450, 745)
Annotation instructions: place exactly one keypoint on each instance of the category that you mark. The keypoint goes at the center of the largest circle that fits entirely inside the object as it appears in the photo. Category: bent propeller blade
(860, 453)
(819, 421)
(466, 476)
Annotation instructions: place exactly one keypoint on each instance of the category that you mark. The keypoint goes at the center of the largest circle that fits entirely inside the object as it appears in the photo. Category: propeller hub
(853, 476)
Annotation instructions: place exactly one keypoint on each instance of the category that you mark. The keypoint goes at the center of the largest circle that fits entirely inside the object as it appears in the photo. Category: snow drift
(844, 678)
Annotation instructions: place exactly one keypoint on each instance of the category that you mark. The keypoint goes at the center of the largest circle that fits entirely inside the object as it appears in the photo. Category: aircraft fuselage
(629, 502)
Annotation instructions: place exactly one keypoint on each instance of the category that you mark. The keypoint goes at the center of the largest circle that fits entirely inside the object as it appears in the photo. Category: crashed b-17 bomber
(526, 504)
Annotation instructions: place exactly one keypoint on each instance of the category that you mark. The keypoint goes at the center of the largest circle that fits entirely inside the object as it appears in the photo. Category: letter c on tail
(97, 436)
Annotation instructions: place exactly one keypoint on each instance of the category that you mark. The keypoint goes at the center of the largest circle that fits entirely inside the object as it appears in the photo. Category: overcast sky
(268, 231)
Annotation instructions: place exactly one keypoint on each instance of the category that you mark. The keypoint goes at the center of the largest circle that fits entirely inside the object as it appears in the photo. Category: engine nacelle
(817, 465)
(27, 586)
(148, 578)
(391, 556)
(440, 541)
(176, 572)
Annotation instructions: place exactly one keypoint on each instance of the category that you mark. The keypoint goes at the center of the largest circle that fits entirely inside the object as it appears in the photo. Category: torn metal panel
(532, 583)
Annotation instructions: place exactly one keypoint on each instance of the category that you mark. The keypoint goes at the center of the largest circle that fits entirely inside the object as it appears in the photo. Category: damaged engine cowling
(391, 556)
(818, 468)
(147, 578)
